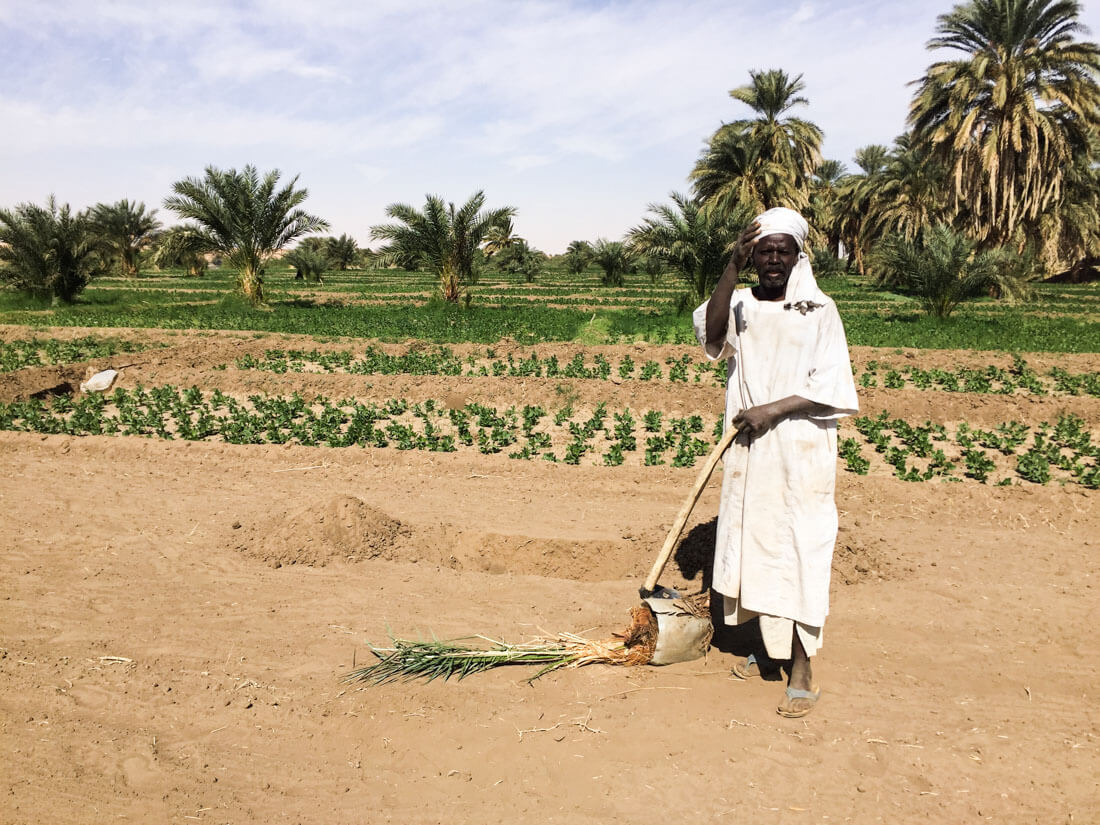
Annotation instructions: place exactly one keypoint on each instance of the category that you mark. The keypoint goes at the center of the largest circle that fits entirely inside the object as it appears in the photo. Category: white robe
(777, 519)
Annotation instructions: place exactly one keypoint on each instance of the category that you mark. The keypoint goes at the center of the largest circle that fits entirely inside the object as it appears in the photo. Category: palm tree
(909, 192)
(244, 218)
(499, 238)
(125, 229)
(181, 246)
(857, 200)
(1010, 116)
(614, 258)
(1067, 234)
(518, 258)
(48, 251)
(694, 243)
(765, 161)
(730, 175)
(824, 211)
(440, 239)
(309, 264)
(940, 265)
(578, 255)
(342, 252)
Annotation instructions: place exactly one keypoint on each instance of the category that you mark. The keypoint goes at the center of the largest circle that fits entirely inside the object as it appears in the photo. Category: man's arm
(761, 418)
(718, 308)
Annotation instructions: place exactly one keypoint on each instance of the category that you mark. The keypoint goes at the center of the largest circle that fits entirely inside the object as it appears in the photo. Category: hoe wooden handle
(689, 505)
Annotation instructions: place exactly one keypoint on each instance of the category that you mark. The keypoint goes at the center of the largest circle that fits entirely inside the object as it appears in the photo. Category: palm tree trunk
(130, 264)
(252, 284)
(448, 283)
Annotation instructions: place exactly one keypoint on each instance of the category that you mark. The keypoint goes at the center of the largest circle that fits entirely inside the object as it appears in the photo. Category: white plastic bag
(99, 382)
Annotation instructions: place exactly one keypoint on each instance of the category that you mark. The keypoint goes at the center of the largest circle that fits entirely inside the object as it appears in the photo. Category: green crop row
(1063, 451)
(36, 352)
(989, 379)
(443, 361)
(524, 433)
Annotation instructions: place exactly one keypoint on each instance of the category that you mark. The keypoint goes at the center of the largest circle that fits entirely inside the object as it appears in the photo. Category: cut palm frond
(437, 658)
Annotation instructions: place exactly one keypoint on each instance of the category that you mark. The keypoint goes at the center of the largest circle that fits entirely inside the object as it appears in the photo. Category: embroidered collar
(802, 306)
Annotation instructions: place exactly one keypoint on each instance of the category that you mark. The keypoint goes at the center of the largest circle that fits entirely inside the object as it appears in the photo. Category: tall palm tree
(1067, 234)
(125, 229)
(856, 198)
(245, 218)
(694, 243)
(731, 175)
(764, 161)
(824, 209)
(872, 158)
(1011, 114)
(897, 190)
(441, 239)
(908, 193)
(49, 252)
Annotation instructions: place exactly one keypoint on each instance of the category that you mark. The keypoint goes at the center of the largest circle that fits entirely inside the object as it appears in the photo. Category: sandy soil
(176, 618)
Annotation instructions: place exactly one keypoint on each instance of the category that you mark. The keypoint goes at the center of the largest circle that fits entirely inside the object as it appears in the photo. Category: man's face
(774, 256)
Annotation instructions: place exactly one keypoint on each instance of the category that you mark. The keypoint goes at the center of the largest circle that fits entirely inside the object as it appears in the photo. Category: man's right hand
(745, 243)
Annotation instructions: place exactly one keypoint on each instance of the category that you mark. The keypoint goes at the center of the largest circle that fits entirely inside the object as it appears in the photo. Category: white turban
(784, 221)
(780, 220)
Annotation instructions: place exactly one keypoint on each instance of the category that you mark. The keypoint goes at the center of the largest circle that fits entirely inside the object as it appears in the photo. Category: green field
(395, 305)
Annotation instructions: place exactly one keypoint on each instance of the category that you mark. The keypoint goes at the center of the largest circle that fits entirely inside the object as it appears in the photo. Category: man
(789, 380)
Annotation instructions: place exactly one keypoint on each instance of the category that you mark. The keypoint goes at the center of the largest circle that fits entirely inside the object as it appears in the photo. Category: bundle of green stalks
(435, 659)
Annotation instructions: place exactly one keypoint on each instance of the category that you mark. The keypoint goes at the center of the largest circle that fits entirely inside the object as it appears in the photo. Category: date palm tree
(440, 238)
(499, 238)
(181, 246)
(693, 243)
(309, 264)
(824, 208)
(614, 258)
(341, 252)
(1011, 114)
(764, 161)
(518, 258)
(578, 255)
(909, 193)
(857, 200)
(1067, 234)
(245, 218)
(125, 229)
(942, 267)
(49, 252)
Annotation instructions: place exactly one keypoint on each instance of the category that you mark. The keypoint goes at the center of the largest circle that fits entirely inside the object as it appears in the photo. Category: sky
(578, 114)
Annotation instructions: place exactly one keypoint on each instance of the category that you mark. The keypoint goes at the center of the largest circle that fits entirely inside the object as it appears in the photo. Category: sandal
(792, 694)
(748, 669)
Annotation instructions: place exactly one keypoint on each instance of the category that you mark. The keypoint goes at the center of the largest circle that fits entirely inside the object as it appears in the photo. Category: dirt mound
(345, 529)
(40, 382)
